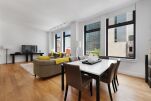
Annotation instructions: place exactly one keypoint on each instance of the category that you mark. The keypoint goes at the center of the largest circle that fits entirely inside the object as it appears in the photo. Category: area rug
(28, 67)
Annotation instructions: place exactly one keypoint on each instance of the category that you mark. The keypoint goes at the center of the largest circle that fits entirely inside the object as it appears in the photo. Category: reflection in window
(58, 42)
(67, 41)
(92, 39)
(121, 36)
(121, 18)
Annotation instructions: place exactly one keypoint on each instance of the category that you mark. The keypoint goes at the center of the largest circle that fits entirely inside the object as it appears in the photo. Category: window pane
(67, 33)
(67, 43)
(58, 40)
(121, 18)
(58, 34)
(59, 45)
(67, 40)
(121, 41)
(120, 34)
(92, 42)
(93, 26)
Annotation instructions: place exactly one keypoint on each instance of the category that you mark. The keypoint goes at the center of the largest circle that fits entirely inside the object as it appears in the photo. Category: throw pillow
(44, 58)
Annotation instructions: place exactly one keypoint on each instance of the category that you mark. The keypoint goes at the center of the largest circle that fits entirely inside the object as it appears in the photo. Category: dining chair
(75, 79)
(108, 77)
(115, 75)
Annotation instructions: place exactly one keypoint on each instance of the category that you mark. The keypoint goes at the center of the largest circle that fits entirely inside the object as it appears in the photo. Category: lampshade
(68, 51)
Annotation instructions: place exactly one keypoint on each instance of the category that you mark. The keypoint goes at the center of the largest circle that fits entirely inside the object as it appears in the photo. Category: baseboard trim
(132, 74)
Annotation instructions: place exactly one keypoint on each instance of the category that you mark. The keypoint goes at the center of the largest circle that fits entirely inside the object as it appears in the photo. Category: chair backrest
(103, 57)
(110, 72)
(117, 66)
(73, 76)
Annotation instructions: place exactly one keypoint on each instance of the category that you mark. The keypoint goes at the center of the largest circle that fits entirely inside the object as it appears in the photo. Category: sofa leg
(35, 75)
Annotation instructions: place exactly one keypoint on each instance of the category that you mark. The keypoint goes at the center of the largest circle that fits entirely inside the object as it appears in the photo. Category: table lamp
(68, 51)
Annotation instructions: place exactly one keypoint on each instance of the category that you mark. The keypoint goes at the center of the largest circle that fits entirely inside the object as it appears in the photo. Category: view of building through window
(121, 35)
(92, 39)
(58, 42)
(67, 40)
(63, 41)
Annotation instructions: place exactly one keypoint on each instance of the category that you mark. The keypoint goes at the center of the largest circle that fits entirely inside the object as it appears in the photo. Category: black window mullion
(85, 40)
(64, 41)
(121, 24)
(93, 30)
(56, 42)
(107, 24)
(134, 19)
(67, 35)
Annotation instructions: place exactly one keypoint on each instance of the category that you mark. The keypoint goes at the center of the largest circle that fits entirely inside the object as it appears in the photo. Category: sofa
(51, 67)
(57, 54)
(46, 68)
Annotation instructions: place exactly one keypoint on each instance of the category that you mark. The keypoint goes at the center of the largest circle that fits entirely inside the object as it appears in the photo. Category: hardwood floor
(18, 85)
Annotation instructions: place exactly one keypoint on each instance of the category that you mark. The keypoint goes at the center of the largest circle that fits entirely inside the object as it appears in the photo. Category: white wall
(143, 35)
(14, 35)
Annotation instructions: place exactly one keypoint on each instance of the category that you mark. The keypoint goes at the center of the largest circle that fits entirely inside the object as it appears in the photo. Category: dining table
(93, 70)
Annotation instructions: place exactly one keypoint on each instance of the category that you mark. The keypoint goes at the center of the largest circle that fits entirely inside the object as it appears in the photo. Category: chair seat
(75, 79)
(86, 80)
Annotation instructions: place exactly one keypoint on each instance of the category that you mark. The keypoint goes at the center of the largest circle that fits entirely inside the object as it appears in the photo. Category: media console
(26, 56)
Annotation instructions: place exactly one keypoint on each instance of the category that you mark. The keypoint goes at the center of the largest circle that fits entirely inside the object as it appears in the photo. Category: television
(29, 48)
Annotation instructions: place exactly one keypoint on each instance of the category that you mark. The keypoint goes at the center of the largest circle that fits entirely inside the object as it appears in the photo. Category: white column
(74, 37)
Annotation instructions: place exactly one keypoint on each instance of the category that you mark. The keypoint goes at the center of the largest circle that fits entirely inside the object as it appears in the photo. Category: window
(92, 39)
(120, 36)
(58, 42)
(66, 40)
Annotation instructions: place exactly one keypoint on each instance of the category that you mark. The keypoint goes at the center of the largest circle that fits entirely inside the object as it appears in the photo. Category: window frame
(56, 37)
(89, 31)
(133, 21)
(64, 36)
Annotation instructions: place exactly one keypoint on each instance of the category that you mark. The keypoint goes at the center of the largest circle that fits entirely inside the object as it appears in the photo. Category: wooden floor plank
(18, 85)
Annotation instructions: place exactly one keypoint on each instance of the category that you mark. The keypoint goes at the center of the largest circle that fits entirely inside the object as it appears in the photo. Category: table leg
(98, 88)
(13, 59)
(26, 55)
(62, 77)
(31, 57)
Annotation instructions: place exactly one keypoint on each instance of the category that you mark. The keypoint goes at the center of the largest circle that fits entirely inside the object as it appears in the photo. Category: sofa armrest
(44, 62)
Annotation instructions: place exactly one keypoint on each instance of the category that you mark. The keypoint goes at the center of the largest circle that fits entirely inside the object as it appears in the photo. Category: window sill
(124, 59)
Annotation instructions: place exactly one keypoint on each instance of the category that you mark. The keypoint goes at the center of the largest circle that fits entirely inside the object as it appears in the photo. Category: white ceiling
(45, 14)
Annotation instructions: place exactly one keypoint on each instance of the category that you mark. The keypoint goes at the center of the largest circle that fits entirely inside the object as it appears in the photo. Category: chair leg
(110, 92)
(91, 88)
(35, 75)
(79, 98)
(114, 80)
(117, 80)
(66, 93)
(113, 86)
